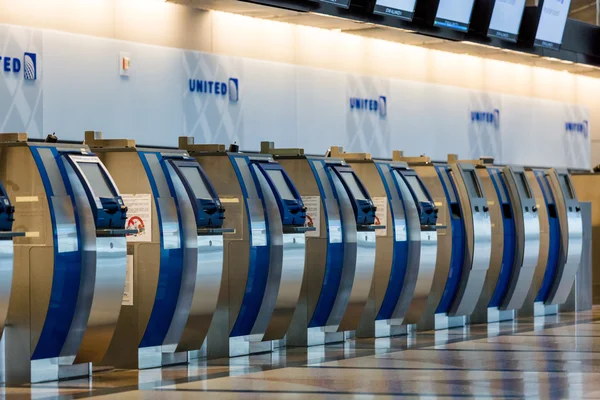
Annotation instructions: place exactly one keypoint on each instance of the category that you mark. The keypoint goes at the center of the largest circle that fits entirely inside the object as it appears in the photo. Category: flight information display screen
(354, 186)
(96, 179)
(403, 9)
(281, 184)
(339, 3)
(454, 14)
(192, 175)
(553, 18)
(506, 19)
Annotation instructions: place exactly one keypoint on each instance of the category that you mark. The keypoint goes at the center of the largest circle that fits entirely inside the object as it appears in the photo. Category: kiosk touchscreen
(565, 228)
(74, 220)
(264, 259)
(175, 253)
(340, 250)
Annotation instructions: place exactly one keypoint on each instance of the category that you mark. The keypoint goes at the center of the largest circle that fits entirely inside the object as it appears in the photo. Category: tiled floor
(555, 357)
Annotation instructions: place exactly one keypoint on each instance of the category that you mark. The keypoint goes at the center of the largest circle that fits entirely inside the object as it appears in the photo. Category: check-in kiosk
(515, 240)
(464, 244)
(406, 248)
(175, 255)
(69, 267)
(340, 252)
(564, 224)
(264, 259)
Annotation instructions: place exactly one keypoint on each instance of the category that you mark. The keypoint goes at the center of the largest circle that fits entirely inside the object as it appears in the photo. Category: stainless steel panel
(527, 227)
(572, 243)
(187, 290)
(6, 278)
(478, 230)
(419, 276)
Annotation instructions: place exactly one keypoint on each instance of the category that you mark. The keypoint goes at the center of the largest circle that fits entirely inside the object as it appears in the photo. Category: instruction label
(128, 292)
(139, 216)
(381, 214)
(313, 214)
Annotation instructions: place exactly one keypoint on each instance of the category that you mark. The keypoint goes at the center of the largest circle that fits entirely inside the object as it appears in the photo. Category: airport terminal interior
(299, 199)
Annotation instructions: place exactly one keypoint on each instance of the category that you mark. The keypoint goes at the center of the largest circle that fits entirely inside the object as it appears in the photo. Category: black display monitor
(281, 184)
(96, 178)
(551, 26)
(454, 14)
(403, 9)
(506, 19)
(194, 179)
(339, 3)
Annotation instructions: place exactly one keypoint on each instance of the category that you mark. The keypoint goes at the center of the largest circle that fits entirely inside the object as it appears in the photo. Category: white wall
(157, 23)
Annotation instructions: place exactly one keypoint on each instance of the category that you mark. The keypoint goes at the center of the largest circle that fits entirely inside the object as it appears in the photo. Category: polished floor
(552, 357)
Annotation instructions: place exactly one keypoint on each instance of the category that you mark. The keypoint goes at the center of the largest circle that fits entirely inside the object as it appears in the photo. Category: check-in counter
(264, 259)
(516, 243)
(175, 256)
(70, 266)
(464, 242)
(406, 248)
(565, 229)
(340, 252)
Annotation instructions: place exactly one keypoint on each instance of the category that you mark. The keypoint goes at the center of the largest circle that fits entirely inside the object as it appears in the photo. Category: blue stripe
(169, 275)
(65, 280)
(508, 253)
(333, 264)
(554, 245)
(400, 251)
(458, 245)
(258, 267)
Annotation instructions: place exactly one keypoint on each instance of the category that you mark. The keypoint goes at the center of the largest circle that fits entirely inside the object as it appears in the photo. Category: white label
(381, 214)
(139, 216)
(313, 214)
(128, 292)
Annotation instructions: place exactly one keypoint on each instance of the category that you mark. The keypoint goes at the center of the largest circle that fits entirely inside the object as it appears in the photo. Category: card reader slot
(115, 232)
(369, 228)
(298, 229)
(214, 231)
(10, 235)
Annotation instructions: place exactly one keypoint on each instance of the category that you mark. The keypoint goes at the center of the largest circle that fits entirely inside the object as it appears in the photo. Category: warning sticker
(313, 214)
(128, 292)
(139, 216)
(381, 214)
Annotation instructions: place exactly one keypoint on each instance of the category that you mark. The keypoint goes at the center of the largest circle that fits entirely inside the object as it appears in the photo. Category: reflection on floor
(552, 357)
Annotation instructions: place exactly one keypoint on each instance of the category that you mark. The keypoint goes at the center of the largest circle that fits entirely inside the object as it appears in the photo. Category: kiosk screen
(96, 179)
(192, 175)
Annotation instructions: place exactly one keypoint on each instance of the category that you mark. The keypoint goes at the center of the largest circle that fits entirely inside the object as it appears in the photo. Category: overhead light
(519, 53)
(480, 45)
(553, 59)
